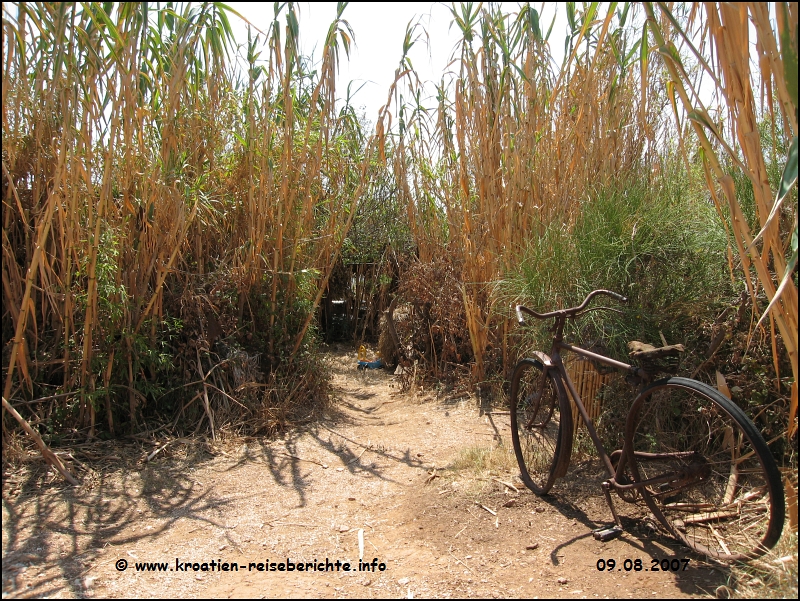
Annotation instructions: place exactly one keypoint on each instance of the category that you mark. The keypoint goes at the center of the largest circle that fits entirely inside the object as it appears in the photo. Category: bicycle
(696, 460)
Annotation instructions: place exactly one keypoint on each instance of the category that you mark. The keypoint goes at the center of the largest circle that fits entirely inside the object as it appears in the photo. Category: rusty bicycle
(689, 453)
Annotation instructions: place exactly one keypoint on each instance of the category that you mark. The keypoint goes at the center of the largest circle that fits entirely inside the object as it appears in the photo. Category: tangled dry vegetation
(431, 323)
(242, 390)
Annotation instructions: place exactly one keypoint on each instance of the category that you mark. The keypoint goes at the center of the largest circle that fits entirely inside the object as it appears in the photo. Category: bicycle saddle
(641, 350)
(656, 359)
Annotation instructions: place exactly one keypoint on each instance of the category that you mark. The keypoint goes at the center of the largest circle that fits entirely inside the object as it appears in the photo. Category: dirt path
(402, 474)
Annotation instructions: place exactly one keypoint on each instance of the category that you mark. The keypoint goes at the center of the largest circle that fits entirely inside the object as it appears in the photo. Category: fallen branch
(507, 484)
(48, 455)
(700, 518)
(504, 483)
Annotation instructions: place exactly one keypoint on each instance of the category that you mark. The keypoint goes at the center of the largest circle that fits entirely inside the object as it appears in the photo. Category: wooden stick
(719, 538)
(486, 508)
(511, 486)
(733, 478)
(699, 518)
(689, 506)
(48, 455)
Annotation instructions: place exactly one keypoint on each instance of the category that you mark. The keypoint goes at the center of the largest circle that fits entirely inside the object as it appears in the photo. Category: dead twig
(432, 475)
(507, 484)
(44, 398)
(462, 563)
(492, 511)
(273, 520)
(206, 403)
(364, 450)
(324, 465)
(161, 448)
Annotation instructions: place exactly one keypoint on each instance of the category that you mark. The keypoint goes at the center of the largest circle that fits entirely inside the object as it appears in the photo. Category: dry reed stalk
(48, 455)
(128, 174)
(728, 27)
(517, 145)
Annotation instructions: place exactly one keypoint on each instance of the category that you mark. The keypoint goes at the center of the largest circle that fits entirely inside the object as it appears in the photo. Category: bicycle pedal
(607, 533)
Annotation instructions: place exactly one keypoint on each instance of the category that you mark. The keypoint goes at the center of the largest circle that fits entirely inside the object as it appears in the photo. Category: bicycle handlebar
(571, 312)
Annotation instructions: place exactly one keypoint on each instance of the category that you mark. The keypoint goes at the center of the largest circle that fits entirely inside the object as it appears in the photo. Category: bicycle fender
(545, 359)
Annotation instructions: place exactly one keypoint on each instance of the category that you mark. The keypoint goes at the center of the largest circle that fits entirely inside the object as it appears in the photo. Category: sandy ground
(411, 484)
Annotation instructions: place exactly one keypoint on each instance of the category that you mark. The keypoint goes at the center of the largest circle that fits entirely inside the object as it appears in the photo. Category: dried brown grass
(724, 51)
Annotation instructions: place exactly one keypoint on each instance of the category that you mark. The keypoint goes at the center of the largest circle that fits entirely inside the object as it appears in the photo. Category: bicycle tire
(724, 497)
(542, 440)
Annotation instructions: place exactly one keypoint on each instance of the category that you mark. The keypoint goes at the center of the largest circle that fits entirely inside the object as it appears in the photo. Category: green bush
(659, 245)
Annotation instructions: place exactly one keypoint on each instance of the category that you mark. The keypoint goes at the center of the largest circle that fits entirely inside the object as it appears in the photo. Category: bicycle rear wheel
(715, 484)
(542, 440)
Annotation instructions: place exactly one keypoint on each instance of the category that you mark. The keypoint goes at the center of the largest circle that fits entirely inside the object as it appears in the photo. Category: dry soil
(415, 484)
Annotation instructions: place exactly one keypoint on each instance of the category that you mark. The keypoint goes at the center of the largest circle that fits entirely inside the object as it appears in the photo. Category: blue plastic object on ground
(370, 364)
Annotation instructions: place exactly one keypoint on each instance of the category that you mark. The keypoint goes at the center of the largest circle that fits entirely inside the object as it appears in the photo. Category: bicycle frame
(555, 362)
(616, 475)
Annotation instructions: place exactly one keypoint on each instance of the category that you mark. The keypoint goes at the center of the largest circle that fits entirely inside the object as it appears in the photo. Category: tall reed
(718, 37)
(139, 164)
(516, 144)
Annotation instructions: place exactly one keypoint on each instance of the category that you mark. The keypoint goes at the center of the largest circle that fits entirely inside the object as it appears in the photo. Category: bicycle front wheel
(713, 482)
(542, 439)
